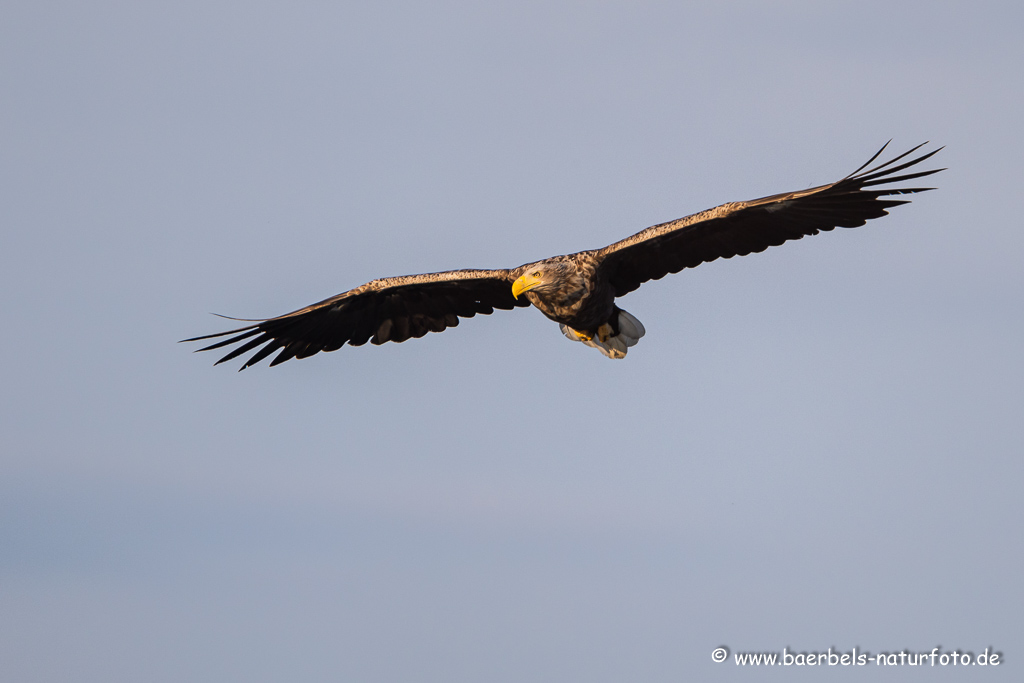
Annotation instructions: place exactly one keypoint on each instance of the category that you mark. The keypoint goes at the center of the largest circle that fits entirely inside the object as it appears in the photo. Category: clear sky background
(818, 446)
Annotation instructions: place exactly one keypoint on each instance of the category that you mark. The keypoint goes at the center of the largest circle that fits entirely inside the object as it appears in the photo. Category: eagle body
(577, 291)
(573, 296)
(569, 290)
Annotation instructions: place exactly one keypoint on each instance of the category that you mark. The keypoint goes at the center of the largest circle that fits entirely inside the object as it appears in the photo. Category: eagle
(578, 291)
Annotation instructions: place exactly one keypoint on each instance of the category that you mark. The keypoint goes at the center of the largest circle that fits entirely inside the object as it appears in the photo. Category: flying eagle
(577, 291)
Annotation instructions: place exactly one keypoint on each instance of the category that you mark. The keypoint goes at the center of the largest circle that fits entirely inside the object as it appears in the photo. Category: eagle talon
(604, 332)
(583, 335)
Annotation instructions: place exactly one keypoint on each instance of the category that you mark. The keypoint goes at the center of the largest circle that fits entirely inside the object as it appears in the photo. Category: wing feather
(390, 309)
(741, 228)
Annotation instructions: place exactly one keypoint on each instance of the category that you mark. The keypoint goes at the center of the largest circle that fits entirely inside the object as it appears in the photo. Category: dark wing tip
(226, 332)
(876, 155)
(219, 334)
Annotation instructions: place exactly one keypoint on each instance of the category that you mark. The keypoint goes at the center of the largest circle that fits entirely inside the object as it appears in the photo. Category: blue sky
(818, 446)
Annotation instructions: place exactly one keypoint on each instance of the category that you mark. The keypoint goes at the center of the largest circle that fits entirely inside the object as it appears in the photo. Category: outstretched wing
(740, 228)
(390, 309)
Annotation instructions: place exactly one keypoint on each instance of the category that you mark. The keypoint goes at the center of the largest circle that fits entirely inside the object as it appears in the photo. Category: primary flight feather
(578, 291)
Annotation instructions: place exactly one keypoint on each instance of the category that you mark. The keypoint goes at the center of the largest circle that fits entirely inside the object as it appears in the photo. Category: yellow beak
(524, 284)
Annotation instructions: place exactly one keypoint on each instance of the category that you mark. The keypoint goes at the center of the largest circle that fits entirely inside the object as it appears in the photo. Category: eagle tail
(613, 345)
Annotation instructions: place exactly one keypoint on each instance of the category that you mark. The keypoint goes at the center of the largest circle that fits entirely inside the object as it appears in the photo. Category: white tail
(630, 331)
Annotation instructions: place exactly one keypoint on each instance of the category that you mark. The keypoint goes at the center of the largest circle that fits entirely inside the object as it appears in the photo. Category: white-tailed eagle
(578, 291)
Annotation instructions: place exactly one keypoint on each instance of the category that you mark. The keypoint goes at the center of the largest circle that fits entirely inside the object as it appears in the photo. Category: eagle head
(544, 278)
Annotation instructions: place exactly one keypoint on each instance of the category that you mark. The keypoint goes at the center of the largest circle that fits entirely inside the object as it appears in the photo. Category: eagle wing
(741, 228)
(389, 309)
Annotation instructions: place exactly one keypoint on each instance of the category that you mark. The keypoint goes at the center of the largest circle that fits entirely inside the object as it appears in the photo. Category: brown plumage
(577, 290)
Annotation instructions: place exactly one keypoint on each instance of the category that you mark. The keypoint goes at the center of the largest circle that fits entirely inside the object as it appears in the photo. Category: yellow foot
(604, 332)
(582, 335)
